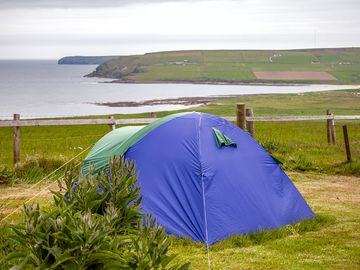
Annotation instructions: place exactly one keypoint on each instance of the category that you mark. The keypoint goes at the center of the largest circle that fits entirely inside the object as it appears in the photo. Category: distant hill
(335, 66)
(85, 60)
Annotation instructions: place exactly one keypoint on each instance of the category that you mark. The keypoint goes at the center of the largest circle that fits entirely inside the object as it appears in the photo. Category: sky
(50, 29)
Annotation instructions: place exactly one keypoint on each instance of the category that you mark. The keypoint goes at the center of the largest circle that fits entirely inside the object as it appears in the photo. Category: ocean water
(41, 89)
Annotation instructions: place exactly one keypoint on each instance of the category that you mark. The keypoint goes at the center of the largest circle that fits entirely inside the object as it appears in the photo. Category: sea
(44, 89)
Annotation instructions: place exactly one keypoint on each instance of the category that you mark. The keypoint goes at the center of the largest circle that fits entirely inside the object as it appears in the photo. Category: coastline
(251, 83)
(199, 100)
(121, 81)
(73, 95)
(185, 101)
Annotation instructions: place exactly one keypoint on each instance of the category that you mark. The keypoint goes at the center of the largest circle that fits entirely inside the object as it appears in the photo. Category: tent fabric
(195, 189)
(221, 139)
(118, 141)
(108, 146)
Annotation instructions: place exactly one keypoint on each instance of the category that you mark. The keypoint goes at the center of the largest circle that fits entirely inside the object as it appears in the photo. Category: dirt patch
(294, 75)
(26, 191)
(332, 193)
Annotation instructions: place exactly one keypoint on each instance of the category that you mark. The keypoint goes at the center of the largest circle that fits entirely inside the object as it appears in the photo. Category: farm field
(294, 75)
(335, 66)
(318, 169)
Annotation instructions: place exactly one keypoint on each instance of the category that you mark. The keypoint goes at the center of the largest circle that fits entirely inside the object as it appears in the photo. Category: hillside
(335, 66)
(85, 60)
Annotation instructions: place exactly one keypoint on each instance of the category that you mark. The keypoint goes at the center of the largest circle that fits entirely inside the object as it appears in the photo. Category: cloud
(52, 28)
(19, 4)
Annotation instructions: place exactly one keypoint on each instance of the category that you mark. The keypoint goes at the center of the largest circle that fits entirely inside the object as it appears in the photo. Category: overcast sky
(52, 29)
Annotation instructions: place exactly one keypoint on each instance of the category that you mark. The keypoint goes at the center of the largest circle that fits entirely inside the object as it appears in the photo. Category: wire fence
(289, 140)
(304, 145)
(38, 116)
(298, 145)
(55, 141)
(11, 202)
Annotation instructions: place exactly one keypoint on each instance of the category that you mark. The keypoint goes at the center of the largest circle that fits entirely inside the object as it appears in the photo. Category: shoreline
(200, 100)
(185, 101)
(250, 83)
(121, 81)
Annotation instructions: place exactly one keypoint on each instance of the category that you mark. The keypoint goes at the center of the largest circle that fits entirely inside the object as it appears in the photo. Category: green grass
(262, 237)
(66, 141)
(233, 65)
(342, 102)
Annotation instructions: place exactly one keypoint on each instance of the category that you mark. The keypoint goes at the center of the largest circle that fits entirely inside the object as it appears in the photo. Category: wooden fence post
(241, 115)
(112, 126)
(347, 144)
(330, 127)
(250, 125)
(16, 145)
(333, 130)
(328, 123)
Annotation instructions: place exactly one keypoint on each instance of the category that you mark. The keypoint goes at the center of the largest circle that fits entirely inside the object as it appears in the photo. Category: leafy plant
(35, 167)
(270, 146)
(302, 163)
(96, 225)
(5, 174)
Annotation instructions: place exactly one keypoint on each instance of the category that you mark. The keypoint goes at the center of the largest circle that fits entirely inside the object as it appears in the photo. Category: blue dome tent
(204, 178)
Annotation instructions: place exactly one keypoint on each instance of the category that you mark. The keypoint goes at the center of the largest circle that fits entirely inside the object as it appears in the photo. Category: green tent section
(118, 141)
(107, 146)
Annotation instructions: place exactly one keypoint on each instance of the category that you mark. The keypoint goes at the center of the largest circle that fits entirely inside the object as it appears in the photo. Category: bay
(43, 89)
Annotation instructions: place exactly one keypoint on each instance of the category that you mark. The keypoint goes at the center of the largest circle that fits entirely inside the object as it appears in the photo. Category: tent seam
(203, 197)
(203, 187)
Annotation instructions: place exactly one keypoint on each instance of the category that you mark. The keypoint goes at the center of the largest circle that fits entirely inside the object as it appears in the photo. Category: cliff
(85, 60)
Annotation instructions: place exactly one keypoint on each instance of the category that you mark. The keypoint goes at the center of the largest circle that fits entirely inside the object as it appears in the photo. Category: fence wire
(304, 145)
(288, 140)
(298, 145)
(49, 142)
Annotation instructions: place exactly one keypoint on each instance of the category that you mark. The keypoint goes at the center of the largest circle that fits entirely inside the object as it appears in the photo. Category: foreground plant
(96, 225)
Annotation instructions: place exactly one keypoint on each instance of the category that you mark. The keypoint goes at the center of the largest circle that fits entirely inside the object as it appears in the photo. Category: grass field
(330, 185)
(234, 66)
(332, 241)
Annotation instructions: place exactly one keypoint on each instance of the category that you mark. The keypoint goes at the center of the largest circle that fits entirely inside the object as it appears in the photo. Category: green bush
(96, 225)
(302, 163)
(6, 245)
(350, 168)
(6, 174)
(35, 167)
(270, 146)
